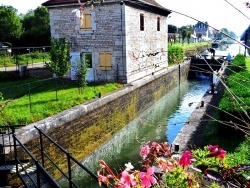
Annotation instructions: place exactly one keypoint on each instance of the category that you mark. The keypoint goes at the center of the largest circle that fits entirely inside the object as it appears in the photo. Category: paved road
(15, 68)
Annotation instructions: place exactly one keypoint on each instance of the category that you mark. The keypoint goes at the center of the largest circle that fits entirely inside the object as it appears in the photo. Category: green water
(161, 122)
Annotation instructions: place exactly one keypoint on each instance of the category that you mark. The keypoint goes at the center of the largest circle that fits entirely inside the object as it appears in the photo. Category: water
(161, 122)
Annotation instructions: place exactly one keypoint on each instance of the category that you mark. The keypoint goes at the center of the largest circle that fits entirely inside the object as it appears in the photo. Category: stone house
(121, 40)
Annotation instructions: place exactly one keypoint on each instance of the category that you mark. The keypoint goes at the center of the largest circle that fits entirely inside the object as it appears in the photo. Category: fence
(36, 99)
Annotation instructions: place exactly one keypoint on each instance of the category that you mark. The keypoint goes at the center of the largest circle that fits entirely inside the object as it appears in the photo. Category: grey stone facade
(116, 29)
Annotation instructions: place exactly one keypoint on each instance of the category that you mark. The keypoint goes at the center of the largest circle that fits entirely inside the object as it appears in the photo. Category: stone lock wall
(83, 128)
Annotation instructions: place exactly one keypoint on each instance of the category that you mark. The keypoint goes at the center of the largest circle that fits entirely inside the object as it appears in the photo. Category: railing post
(69, 170)
(41, 144)
(38, 174)
(15, 152)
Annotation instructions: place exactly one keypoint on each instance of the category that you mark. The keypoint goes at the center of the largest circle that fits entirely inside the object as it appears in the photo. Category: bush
(239, 63)
(175, 55)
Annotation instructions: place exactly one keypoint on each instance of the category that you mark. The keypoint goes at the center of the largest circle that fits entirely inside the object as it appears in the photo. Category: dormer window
(142, 22)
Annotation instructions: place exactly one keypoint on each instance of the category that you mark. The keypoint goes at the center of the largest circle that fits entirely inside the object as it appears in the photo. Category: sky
(218, 13)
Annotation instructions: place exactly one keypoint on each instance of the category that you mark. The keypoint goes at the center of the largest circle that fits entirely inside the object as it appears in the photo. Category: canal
(160, 123)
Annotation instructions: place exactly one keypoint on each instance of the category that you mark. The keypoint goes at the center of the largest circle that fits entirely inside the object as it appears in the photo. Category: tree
(81, 73)
(183, 35)
(172, 29)
(188, 36)
(60, 57)
(36, 28)
(10, 24)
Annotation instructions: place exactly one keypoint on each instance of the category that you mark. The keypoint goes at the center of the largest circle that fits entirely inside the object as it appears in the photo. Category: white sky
(218, 13)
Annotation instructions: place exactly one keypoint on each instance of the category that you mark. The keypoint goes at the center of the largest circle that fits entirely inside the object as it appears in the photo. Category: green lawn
(248, 63)
(27, 101)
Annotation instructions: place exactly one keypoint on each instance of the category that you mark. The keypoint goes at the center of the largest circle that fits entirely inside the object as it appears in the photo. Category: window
(158, 23)
(87, 58)
(105, 61)
(142, 22)
(86, 21)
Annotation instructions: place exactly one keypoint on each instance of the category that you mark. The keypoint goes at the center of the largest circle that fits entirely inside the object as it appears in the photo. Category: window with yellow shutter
(86, 21)
(105, 61)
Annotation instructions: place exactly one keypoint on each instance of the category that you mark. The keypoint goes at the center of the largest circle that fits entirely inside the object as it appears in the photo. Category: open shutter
(102, 61)
(108, 61)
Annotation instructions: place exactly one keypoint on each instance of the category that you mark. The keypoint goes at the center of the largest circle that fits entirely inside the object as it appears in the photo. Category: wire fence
(37, 91)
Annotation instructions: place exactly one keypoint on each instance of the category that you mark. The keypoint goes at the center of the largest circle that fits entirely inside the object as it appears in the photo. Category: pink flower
(145, 151)
(165, 165)
(215, 151)
(220, 153)
(127, 180)
(213, 148)
(147, 178)
(185, 159)
(156, 146)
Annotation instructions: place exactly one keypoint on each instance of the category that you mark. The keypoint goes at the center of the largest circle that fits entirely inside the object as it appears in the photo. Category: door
(75, 59)
(87, 58)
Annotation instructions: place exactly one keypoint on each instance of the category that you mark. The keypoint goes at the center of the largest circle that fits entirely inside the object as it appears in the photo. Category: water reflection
(161, 122)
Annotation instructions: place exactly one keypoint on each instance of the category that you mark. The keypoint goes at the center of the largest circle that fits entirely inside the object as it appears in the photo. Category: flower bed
(163, 168)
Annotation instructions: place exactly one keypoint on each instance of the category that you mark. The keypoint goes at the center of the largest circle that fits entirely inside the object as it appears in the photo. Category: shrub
(175, 55)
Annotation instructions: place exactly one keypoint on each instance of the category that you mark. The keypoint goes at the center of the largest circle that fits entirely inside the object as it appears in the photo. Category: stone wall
(146, 50)
(85, 127)
(115, 29)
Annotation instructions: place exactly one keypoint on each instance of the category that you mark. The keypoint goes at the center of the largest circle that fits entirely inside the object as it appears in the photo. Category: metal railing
(32, 175)
(69, 157)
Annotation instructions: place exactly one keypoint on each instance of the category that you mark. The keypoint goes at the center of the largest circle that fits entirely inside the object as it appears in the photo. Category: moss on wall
(83, 135)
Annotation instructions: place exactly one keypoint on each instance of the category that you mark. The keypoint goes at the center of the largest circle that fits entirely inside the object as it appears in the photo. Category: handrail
(69, 157)
(39, 167)
(48, 157)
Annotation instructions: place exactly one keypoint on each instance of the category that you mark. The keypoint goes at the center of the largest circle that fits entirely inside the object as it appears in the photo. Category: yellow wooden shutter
(108, 61)
(105, 61)
(88, 21)
(102, 61)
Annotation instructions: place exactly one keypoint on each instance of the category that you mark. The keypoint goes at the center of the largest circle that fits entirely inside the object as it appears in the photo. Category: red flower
(185, 159)
(213, 148)
(219, 153)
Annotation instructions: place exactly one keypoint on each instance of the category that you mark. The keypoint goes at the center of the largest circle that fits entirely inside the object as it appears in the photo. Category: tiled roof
(59, 2)
(152, 2)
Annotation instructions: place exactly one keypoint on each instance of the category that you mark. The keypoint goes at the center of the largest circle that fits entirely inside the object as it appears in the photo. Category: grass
(28, 101)
(186, 45)
(248, 63)
(6, 60)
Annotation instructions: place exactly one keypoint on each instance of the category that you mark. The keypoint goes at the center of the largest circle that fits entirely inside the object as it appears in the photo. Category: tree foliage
(36, 28)
(60, 57)
(10, 24)
(172, 29)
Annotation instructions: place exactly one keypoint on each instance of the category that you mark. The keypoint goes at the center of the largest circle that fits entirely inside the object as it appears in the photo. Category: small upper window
(158, 23)
(142, 22)
(86, 21)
